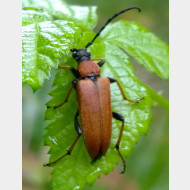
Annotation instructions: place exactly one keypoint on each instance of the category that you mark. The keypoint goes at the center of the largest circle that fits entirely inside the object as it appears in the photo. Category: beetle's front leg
(99, 63)
(122, 93)
(72, 69)
(67, 97)
(79, 132)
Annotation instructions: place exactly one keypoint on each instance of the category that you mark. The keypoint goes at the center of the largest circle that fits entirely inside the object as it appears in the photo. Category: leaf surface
(60, 10)
(144, 46)
(34, 16)
(45, 40)
(44, 45)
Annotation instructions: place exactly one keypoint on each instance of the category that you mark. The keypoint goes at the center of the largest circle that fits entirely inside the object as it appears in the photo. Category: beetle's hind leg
(79, 132)
(120, 118)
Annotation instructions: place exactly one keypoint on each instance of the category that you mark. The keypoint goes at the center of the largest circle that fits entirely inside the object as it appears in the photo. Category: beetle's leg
(99, 63)
(77, 126)
(79, 132)
(72, 69)
(120, 118)
(68, 152)
(67, 97)
(96, 59)
(122, 93)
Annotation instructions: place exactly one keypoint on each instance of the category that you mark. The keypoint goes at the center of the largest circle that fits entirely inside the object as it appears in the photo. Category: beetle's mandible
(94, 102)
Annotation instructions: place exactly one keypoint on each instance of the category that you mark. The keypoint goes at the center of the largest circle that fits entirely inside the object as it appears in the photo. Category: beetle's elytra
(94, 105)
(94, 102)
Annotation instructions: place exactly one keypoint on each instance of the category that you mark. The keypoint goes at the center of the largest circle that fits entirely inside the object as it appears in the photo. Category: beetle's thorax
(86, 68)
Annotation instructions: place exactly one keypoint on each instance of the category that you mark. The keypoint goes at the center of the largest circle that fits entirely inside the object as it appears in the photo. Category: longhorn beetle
(94, 102)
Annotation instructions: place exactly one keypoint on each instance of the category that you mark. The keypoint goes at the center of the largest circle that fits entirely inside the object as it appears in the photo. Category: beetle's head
(80, 54)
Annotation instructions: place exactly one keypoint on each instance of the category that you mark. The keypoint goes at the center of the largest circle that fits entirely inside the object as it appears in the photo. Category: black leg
(120, 118)
(122, 93)
(79, 132)
(67, 96)
(77, 126)
(99, 63)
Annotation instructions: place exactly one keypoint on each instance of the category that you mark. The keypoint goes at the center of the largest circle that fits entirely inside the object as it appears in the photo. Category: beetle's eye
(89, 54)
(75, 53)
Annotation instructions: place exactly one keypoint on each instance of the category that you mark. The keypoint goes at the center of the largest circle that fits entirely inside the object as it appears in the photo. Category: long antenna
(109, 20)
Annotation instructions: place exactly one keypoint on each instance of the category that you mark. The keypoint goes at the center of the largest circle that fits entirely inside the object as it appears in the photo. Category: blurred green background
(148, 166)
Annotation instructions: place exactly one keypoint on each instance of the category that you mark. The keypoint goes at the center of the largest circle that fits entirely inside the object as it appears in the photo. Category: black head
(80, 54)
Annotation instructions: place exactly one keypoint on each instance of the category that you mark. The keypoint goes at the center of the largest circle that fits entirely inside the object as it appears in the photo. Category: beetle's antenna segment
(109, 20)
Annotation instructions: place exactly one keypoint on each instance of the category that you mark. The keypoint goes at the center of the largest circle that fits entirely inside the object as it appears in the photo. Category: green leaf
(86, 15)
(75, 170)
(44, 45)
(34, 16)
(144, 46)
(60, 10)
(57, 8)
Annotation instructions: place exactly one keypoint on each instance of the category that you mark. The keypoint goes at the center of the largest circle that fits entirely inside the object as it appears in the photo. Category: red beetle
(94, 102)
